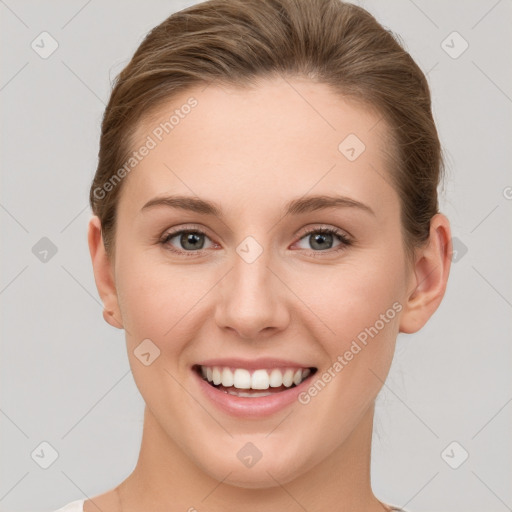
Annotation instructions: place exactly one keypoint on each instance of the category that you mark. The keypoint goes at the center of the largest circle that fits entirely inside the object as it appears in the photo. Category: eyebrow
(293, 207)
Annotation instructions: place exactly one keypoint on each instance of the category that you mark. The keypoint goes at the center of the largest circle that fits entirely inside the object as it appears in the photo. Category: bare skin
(251, 151)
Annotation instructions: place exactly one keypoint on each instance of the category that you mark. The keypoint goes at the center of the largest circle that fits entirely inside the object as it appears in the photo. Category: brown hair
(235, 42)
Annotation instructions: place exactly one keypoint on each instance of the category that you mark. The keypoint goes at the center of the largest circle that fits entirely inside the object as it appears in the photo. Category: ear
(430, 276)
(103, 274)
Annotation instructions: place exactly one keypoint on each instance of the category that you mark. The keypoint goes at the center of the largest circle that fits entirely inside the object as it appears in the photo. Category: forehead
(276, 139)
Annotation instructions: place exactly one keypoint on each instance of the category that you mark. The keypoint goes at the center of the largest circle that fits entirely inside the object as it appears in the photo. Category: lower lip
(251, 407)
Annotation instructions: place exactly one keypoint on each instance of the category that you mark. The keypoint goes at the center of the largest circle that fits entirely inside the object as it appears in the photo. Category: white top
(74, 506)
(78, 506)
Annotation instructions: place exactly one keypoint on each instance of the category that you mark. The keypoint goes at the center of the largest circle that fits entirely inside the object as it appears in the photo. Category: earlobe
(103, 274)
(431, 271)
(111, 319)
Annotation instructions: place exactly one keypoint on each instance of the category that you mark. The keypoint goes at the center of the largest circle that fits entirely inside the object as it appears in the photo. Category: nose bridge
(252, 279)
(252, 296)
(251, 268)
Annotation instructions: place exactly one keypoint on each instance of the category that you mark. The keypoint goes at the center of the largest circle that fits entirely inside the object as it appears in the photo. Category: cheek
(361, 305)
(156, 298)
(157, 304)
(355, 296)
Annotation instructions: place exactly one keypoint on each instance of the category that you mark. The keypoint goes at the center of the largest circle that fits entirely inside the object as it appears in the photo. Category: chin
(267, 472)
(262, 478)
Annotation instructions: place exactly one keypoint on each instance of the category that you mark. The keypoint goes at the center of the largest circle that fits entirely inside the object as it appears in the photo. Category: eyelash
(345, 241)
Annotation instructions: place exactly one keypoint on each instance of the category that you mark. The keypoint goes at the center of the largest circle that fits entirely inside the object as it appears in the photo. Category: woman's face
(249, 289)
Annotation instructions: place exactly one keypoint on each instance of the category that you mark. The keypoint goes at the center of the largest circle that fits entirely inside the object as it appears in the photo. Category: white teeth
(242, 379)
(227, 377)
(216, 375)
(276, 378)
(288, 378)
(260, 379)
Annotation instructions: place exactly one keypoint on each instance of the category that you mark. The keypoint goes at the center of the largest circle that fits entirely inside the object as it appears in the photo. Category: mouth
(253, 382)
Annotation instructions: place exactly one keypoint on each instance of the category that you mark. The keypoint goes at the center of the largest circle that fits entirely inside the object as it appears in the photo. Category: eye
(190, 240)
(321, 239)
(193, 240)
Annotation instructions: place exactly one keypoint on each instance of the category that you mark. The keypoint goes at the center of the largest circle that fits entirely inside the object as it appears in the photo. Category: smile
(244, 382)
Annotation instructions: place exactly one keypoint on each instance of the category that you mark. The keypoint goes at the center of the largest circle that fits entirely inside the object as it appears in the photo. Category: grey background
(65, 378)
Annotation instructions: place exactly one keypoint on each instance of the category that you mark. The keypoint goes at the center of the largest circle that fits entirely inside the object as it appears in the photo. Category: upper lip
(253, 364)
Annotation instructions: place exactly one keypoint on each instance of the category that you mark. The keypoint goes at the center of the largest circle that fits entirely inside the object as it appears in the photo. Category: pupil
(320, 237)
(193, 239)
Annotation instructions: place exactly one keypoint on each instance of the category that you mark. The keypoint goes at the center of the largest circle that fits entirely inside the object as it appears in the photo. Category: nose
(253, 299)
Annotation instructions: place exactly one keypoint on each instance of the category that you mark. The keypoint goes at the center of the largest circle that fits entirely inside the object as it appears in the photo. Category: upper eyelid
(335, 229)
(302, 231)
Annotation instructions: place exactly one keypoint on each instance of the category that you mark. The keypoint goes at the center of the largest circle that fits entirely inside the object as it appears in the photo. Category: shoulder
(74, 506)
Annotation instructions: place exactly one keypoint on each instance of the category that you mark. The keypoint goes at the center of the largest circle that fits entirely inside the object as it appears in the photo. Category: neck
(165, 478)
